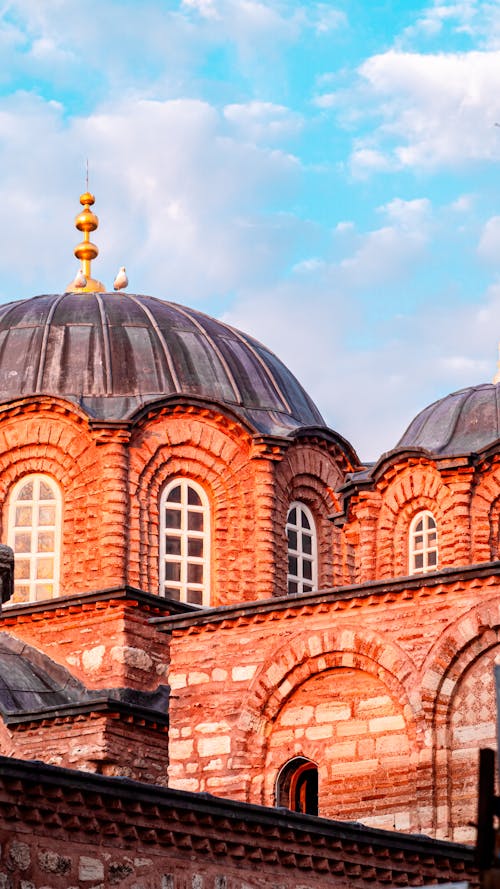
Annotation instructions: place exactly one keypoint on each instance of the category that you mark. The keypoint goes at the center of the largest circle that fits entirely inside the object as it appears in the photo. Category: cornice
(375, 592)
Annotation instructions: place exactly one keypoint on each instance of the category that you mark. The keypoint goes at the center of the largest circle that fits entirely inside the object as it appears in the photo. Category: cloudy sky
(323, 175)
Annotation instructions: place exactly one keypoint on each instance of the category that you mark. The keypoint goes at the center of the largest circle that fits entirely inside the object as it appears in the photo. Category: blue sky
(322, 175)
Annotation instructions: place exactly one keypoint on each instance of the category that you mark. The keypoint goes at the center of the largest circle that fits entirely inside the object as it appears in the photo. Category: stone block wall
(365, 682)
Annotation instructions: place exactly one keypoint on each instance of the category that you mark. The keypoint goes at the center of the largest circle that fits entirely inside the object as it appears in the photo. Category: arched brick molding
(415, 489)
(485, 511)
(60, 445)
(218, 457)
(458, 696)
(307, 656)
(310, 474)
(345, 720)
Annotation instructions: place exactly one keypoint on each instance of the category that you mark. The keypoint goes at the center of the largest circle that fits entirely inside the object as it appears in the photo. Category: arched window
(423, 543)
(297, 786)
(185, 542)
(302, 549)
(34, 533)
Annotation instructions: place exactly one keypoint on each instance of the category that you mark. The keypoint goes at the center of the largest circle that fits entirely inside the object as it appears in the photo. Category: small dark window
(297, 786)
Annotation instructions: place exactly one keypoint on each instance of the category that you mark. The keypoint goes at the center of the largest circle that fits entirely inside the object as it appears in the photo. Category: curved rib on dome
(461, 423)
(114, 354)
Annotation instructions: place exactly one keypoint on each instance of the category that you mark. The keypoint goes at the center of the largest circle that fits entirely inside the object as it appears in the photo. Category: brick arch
(472, 637)
(218, 458)
(310, 474)
(63, 448)
(415, 488)
(485, 515)
(307, 655)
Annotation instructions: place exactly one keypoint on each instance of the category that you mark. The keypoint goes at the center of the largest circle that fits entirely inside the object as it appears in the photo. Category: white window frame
(299, 551)
(184, 534)
(423, 547)
(34, 554)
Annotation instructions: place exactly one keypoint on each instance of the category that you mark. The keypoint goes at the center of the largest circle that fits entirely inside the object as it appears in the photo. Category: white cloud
(180, 202)
(263, 121)
(489, 242)
(477, 19)
(430, 111)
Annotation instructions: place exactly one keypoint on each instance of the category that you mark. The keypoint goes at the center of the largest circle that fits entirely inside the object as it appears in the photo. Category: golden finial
(86, 251)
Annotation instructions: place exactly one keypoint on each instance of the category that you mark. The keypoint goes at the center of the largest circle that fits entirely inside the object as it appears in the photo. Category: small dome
(461, 423)
(112, 354)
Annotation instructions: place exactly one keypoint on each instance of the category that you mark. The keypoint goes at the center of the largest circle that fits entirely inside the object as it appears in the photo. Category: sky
(321, 175)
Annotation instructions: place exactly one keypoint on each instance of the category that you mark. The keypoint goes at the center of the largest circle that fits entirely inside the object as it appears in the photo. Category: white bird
(80, 279)
(121, 280)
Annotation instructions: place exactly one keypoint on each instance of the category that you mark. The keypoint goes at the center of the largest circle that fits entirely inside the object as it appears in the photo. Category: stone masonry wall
(363, 686)
(108, 643)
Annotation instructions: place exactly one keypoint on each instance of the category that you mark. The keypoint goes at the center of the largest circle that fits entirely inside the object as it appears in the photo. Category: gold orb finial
(86, 221)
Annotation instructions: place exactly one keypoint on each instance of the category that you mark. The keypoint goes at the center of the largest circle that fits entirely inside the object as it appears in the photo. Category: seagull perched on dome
(80, 279)
(121, 280)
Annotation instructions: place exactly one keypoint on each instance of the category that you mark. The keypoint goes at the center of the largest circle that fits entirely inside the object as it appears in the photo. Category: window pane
(26, 492)
(419, 560)
(46, 542)
(195, 547)
(172, 593)
(194, 498)
(174, 496)
(172, 518)
(47, 515)
(305, 521)
(172, 545)
(22, 569)
(21, 592)
(172, 571)
(292, 586)
(46, 492)
(432, 558)
(307, 570)
(44, 591)
(45, 568)
(194, 597)
(292, 565)
(307, 544)
(195, 573)
(195, 521)
(292, 539)
(419, 526)
(22, 542)
(24, 516)
(292, 516)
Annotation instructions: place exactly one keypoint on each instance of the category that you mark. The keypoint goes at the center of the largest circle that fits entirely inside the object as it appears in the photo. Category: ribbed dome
(461, 423)
(113, 353)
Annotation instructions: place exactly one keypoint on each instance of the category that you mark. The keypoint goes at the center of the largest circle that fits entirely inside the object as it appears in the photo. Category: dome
(464, 422)
(111, 354)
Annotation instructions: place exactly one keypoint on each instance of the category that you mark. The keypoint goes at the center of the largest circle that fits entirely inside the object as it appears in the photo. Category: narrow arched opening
(297, 786)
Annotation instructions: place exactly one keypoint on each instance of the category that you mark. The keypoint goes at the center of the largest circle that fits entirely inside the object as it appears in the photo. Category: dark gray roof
(114, 353)
(32, 686)
(464, 422)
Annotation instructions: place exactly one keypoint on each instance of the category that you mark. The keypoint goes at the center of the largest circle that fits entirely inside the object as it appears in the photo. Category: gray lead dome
(113, 354)
(464, 422)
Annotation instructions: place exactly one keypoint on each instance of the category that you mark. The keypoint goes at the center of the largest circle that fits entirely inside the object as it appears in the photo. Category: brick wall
(353, 683)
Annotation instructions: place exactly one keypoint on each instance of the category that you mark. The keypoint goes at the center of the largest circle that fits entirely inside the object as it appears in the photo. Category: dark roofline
(105, 705)
(120, 593)
(297, 601)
